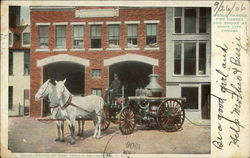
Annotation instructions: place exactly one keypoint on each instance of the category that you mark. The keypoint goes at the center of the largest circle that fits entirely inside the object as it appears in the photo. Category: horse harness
(69, 103)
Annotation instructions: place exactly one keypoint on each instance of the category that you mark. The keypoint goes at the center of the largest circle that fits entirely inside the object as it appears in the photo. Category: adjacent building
(19, 69)
(188, 50)
(88, 45)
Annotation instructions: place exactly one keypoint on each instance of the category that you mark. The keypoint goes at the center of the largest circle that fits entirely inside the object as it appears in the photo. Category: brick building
(88, 45)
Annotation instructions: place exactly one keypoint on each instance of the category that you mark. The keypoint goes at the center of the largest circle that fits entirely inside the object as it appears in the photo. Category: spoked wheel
(105, 120)
(170, 115)
(127, 121)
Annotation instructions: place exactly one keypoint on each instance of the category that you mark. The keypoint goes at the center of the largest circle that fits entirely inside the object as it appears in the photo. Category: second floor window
(96, 41)
(132, 35)
(78, 37)
(60, 36)
(151, 35)
(190, 58)
(113, 36)
(26, 38)
(26, 63)
(43, 34)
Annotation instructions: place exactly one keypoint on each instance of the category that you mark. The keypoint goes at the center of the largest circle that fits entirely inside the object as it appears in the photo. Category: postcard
(124, 79)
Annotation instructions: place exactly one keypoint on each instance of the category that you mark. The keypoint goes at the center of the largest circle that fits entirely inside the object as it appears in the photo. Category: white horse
(48, 89)
(77, 106)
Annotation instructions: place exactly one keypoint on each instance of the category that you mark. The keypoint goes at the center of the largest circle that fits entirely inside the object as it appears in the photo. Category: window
(96, 73)
(203, 20)
(177, 20)
(189, 58)
(177, 58)
(113, 36)
(151, 35)
(78, 37)
(26, 38)
(26, 63)
(202, 58)
(132, 35)
(60, 36)
(96, 41)
(191, 20)
(26, 94)
(192, 96)
(10, 63)
(97, 91)
(11, 39)
(10, 97)
(192, 55)
(43, 36)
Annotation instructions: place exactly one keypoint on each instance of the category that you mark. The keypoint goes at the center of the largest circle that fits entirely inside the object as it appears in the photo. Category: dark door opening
(205, 101)
(131, 74)
(74, 73)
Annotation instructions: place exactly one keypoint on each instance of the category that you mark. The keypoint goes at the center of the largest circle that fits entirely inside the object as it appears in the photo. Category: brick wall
(96, 57)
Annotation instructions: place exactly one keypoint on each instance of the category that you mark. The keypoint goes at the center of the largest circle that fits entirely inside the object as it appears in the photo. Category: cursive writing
(230, 82)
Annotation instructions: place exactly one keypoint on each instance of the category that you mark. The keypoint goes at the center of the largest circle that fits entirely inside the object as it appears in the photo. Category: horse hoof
(62, 140)
(78, 134)
(82, 135)
(72, 142)
(57, 139)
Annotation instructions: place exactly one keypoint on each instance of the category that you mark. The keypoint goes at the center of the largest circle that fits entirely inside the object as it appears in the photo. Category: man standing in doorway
(114, 88)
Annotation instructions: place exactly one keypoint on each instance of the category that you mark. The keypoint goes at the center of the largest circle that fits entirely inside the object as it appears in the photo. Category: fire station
(88, 45)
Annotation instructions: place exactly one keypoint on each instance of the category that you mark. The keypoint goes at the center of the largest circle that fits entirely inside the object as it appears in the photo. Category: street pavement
(28, 135)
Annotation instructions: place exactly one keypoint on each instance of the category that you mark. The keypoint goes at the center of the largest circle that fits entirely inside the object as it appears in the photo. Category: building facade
(19, 73)
(188, 47)
(88, 45)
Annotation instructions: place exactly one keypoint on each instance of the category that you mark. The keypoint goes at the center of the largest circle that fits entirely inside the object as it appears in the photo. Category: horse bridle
(56, 105)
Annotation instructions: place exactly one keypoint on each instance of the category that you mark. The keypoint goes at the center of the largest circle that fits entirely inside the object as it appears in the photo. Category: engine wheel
(127, 121)
(105, 120)
(170, 115)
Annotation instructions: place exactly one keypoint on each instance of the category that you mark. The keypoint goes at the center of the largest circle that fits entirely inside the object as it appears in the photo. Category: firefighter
(114, 88)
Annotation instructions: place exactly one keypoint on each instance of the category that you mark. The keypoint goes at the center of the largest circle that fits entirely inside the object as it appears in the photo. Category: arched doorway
(132, 75)
(74, 73)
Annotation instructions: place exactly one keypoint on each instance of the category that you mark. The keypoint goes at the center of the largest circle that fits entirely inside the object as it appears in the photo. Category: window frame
(61, 37)
(81, 37)
(96, 90)
(115, 38)
(197, 57)
(44, 37)
(26, 63)
(197, 20)
(156, 35)
(94, 73)
(131, 37)
(199, 94)
(25, 45)
(99, 37)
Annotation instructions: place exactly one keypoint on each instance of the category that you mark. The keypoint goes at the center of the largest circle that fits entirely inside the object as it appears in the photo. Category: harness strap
(68, 102)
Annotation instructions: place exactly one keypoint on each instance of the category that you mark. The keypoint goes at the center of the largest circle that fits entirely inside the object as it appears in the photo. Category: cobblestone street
(27, 135)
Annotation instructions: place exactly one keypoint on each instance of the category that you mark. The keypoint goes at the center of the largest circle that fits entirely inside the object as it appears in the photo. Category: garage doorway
(74, 73)
(131, 74)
